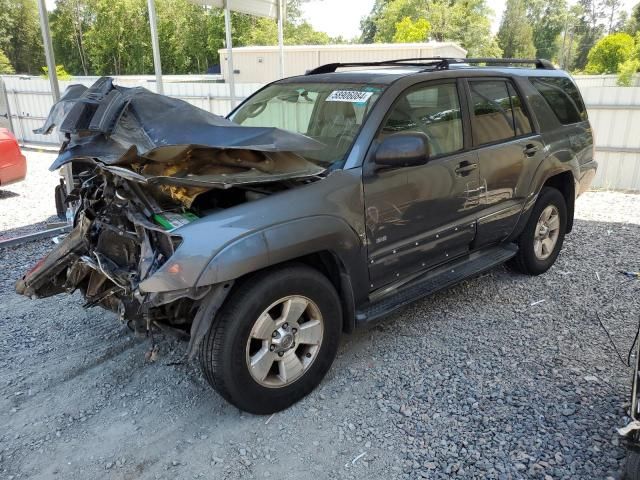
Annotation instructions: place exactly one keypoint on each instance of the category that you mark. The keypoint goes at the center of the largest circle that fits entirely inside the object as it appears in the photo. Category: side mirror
(403, 149)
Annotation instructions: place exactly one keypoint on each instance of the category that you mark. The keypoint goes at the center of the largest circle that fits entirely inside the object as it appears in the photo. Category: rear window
(563, 97)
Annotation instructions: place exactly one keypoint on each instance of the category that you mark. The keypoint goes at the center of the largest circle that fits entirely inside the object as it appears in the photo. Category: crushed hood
(153, 138)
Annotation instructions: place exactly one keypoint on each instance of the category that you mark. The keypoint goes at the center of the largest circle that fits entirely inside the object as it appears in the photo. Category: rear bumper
(586, 175)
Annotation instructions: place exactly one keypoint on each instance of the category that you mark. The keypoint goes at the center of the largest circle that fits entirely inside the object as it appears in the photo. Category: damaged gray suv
(324, 202)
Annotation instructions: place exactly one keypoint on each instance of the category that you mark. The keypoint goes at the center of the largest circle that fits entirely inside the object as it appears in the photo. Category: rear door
(503, 133)
(421, 216)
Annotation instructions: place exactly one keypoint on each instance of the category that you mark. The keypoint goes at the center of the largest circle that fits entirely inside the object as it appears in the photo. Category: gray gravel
(28, 206)
(474, 382)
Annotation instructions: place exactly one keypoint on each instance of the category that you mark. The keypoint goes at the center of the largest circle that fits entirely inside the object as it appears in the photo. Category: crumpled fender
(323, 216)
(238, 251)
(283, 242)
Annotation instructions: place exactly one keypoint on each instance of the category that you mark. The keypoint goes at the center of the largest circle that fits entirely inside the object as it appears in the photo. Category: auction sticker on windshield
(351, 96)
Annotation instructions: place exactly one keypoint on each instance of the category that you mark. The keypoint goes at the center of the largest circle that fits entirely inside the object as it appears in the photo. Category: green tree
(588, 29)
(467, 22)
(119, 40)
(369, 24)
(516, 35)
(61, 73)
(23, 44)
(612, 9)
(5, 64)
(470, 26)
(6, 24)
(69, 22)
(408, 31)
(609, 52)
(547, 19)
(392, 14)
(183, 47)
(264, 31)
(633, 22)
(113, 36)
(628, 69)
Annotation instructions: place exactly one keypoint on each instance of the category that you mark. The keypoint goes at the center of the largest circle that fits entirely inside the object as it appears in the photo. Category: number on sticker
(352, 96)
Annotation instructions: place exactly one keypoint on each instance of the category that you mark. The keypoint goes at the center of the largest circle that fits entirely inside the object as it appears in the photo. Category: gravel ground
(29, 205)
(503, 376)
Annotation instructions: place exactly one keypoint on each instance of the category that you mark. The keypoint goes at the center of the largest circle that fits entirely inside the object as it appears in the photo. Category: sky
(342, 17)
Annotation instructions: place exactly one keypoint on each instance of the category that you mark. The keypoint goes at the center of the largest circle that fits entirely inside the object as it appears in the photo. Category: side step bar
(437, 279)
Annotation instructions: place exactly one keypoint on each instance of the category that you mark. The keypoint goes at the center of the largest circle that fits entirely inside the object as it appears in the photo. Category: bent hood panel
(121, 126)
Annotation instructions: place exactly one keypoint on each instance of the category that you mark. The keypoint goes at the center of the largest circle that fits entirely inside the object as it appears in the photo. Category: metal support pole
(230, 72)
(48, 50)
(67, 171)
(281, 35)
(22, 139)
(155, 45)
(5, 98)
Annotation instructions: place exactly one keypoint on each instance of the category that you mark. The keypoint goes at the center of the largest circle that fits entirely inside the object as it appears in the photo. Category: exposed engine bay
(145, 165)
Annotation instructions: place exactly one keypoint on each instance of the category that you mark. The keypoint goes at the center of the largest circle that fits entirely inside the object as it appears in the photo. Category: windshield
(330, 113)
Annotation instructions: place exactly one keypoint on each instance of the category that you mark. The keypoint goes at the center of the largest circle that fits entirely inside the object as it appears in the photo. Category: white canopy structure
(259, 8)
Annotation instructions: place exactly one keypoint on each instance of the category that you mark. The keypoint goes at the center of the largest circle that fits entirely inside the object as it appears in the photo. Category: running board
(434, 280)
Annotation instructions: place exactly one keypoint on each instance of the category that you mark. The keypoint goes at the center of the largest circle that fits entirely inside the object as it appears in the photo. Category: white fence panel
(602, 81)
(614, 113)
(618, 171)
(30, 99)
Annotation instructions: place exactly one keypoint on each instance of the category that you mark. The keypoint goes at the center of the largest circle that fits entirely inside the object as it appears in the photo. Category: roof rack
(435, 63)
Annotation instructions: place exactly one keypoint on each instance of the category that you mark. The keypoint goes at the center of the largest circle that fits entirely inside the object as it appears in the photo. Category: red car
(13, 165)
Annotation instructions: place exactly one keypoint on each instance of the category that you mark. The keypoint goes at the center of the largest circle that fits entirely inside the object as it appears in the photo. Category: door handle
(465, 168)
(530, 150)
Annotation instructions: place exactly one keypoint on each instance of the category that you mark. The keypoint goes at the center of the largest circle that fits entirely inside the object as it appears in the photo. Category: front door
(421, 216)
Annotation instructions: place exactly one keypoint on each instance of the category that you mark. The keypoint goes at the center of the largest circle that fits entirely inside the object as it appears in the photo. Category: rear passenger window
(497, 112)
(563, 97)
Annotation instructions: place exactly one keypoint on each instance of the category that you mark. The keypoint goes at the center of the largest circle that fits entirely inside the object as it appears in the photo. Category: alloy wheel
(546, 232)
(284, 341)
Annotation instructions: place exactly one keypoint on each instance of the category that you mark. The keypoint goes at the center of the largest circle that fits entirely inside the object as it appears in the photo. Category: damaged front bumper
(107, 256)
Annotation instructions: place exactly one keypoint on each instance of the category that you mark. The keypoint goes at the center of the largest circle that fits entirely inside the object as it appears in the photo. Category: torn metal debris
(145, 165)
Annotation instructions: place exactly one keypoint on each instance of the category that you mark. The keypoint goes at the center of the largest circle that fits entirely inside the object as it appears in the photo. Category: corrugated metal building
(261, 64)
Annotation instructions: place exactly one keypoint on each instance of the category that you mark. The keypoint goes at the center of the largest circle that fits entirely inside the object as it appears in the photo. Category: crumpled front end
(145, 165)
(114, 246)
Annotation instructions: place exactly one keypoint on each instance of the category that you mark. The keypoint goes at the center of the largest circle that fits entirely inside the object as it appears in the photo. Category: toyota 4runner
(324, 202)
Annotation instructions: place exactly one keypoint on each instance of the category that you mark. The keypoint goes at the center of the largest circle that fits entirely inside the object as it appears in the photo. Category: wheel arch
(328, 264)
(325, 243)
(564, 182)
(561, 178)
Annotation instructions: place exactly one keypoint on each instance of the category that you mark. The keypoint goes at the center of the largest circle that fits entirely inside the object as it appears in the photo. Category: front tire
(632, 466)
(274, 339)
(542, 238)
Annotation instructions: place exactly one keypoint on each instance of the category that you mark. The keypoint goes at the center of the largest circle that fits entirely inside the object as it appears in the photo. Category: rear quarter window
(562, 95)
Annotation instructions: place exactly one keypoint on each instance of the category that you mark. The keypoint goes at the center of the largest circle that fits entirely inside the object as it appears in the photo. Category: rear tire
(540, 242)
(274, 339)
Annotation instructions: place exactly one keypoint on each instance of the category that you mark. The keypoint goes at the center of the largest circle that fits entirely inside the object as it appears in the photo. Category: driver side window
(433, 110)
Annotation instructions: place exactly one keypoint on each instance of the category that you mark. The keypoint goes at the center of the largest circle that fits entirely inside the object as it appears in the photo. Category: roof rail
(436, 63)
(540, 63)
(411, 62)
